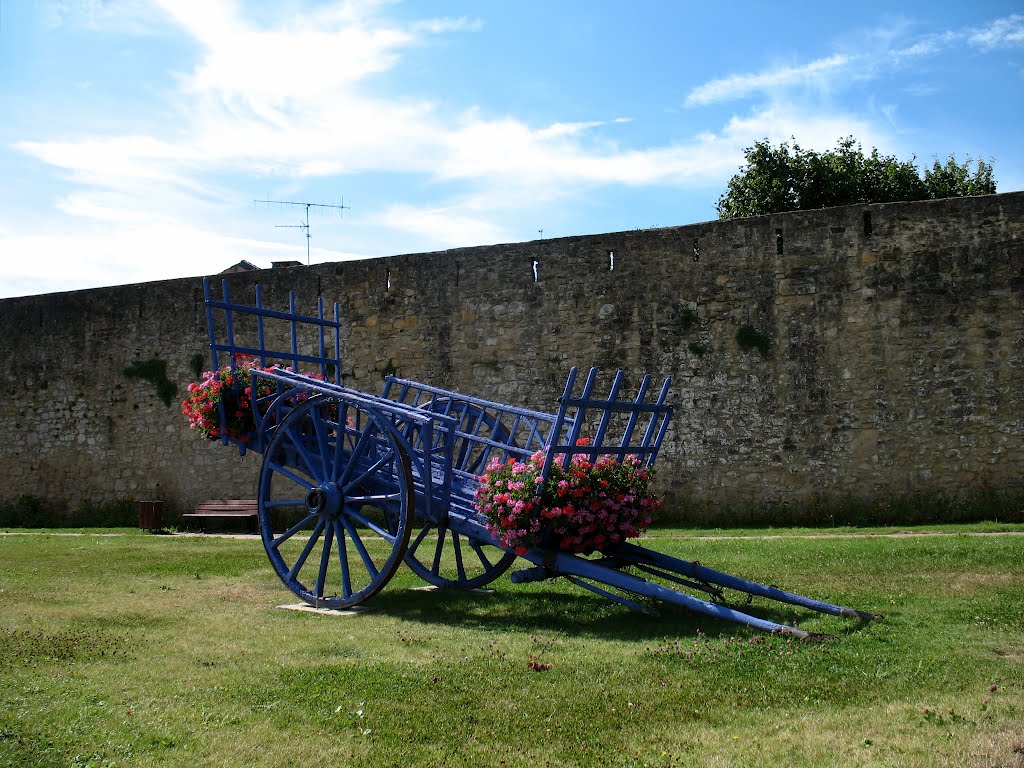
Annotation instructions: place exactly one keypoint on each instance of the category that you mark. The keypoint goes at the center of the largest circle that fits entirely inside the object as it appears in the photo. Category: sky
(139, 137)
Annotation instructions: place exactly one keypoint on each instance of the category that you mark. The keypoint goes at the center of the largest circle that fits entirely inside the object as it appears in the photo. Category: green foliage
(26, 511)
(196, 364)
(790, 178)
(749, 338)
(918, 508)
(29, 511)
(953, 179)
(676, 326)
(107, 514)
(155, 372)
(687, 319)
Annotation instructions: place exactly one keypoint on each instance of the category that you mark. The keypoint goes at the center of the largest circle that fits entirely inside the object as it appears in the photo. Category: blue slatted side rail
(486, 429)
(480, 432)
(327, 333)
(242, 329)
(612, 425)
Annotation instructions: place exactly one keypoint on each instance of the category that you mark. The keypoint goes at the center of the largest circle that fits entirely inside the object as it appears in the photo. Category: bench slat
(227, 508)
(221, 513)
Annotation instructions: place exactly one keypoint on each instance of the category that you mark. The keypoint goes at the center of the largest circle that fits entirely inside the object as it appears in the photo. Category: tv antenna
(304, 226)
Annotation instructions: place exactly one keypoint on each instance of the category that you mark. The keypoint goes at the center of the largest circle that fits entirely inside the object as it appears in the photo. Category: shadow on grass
(563, 610)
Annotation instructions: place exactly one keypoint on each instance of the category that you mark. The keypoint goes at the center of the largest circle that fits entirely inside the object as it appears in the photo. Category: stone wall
(891, 359)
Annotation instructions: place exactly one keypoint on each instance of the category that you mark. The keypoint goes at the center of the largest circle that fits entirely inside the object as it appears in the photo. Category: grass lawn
(133, 650)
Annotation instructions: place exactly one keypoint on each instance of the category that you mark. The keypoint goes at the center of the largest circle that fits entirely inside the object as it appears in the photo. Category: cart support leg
(571, 566)
(552, 565)
(634, 554)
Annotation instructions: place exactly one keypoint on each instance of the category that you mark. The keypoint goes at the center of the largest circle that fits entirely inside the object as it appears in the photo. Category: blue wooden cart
(353, 484)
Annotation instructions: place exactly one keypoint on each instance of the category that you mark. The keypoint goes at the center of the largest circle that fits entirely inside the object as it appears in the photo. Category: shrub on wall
(155, 372)
(25, 512)
(35, 512)
(923, 508)
(120, 513)
(748, 337)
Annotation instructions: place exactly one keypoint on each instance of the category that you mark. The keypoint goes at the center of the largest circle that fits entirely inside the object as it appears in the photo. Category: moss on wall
(155, 372)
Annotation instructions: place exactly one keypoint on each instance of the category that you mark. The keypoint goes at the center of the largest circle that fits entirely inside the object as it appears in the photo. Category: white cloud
(306, 58)
(132, 17)
(437, 26)
(1001, 33)
(922, 89)
(737, 86)
(137, 249)
(813, 128)
(109, 208)
(566, 129)
(444, 226)
(887, 49)
(120, 162)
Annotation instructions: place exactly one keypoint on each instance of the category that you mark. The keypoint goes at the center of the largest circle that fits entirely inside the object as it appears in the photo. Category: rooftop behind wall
(867, 350)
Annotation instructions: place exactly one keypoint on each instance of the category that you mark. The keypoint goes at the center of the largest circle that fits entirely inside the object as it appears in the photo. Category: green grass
(137, 650)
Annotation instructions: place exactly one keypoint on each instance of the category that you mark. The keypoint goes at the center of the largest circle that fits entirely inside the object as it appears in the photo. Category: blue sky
(136, 134)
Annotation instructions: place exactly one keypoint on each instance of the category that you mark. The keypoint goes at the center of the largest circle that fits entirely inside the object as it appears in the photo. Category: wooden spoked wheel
(443, 558)
(335, 501)
(437, 554)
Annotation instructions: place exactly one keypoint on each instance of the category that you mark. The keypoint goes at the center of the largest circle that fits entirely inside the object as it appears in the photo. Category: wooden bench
(233, 508)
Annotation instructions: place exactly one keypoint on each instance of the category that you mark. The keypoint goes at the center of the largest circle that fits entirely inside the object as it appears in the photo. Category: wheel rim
(436, 553)
(444, 558)
(335, 501)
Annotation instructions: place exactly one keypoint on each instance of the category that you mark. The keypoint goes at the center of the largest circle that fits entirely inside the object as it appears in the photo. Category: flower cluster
(234, 389)
(587, 506)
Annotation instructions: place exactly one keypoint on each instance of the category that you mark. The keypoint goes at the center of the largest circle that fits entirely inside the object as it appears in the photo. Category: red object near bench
(225, 508)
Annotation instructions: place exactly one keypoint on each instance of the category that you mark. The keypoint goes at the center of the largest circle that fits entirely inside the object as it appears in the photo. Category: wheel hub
(325, 500)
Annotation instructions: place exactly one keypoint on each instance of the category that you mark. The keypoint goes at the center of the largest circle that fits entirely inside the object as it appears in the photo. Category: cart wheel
(446, 559)
(439, 555)
(336, 482)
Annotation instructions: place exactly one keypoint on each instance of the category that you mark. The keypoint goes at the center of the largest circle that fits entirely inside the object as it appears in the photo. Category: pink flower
(611, 501)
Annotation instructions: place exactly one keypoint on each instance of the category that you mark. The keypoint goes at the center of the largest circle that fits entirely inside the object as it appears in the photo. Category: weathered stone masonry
(894, 361)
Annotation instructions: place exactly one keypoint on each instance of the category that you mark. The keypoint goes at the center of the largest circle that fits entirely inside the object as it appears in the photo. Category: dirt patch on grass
(773, 536)
(999, 750)
(970, 583)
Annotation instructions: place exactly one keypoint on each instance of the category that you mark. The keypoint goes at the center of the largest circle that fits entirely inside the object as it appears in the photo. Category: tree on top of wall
(790, 178)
